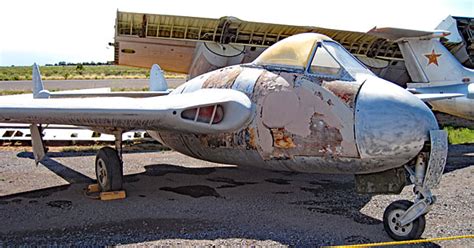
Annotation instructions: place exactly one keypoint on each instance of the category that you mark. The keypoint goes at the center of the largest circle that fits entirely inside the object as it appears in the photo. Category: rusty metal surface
(222, 78)
(246, 80)
(307, 124)
(296, 119)
(346, 91)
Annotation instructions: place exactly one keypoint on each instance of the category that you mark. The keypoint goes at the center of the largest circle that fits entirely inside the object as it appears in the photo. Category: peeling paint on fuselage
(300, 123)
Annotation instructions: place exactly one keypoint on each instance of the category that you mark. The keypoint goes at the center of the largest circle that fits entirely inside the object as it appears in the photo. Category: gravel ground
(174, 200)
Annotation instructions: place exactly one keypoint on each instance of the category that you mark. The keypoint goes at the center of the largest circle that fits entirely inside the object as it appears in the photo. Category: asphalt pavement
(174, 200)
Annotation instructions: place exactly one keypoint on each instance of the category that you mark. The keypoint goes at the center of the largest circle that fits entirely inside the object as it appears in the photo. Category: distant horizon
(68, 63)
(49, 31)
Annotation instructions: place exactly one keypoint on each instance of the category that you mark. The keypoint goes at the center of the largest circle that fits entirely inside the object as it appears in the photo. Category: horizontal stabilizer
(91, 90)
(86, 94)
(158, 87)
(439, 96)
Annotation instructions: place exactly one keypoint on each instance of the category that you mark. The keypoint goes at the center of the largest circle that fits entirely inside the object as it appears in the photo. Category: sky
(50, 31)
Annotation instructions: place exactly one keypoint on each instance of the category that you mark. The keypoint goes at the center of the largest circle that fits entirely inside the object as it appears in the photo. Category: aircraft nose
(391, 124)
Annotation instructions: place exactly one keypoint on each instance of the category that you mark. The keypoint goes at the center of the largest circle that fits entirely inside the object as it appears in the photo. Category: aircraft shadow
(459, 157)
(210, 204)
(73, 154)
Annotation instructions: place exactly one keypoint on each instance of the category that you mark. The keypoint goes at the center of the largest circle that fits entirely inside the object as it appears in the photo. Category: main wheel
(108, 169)
(391, 218)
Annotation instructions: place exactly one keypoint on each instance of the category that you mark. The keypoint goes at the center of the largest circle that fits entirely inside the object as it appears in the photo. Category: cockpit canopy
(292, 51)
(327, 57)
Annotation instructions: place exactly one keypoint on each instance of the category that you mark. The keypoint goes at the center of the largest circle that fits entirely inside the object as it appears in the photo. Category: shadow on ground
(209, 204)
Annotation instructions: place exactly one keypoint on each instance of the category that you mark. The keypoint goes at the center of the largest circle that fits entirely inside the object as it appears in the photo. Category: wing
(203, 111)
(440, 96)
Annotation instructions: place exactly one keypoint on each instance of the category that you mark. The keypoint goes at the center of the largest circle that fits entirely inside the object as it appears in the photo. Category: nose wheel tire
(108, 169)
(391, 222)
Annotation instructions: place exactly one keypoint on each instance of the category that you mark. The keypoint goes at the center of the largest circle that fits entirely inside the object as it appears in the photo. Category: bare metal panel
(385, 116)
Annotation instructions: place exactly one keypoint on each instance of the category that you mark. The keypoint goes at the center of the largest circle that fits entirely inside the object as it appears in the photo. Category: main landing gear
(109, 166)
(405, 220)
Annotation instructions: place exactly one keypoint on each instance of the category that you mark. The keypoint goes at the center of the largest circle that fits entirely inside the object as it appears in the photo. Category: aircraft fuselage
(311, 124)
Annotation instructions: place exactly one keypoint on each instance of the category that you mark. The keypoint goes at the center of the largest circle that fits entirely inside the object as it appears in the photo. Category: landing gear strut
(109, 166)
(405, 220)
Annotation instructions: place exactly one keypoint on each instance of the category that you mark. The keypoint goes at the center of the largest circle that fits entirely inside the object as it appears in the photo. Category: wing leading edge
(154, 113)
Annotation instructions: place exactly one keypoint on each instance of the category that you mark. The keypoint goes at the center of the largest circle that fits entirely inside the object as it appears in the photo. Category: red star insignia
(432, 57)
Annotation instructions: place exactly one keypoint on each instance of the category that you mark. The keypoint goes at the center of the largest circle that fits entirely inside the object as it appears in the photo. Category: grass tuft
(459, 135)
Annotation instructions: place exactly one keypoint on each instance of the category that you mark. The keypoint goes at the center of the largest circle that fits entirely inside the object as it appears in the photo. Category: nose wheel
(405, 220)
(108, 169)
(391, 222)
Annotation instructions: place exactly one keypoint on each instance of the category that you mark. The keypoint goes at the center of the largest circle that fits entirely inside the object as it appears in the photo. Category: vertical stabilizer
(38, 87)
(157, 79)
(427, 60)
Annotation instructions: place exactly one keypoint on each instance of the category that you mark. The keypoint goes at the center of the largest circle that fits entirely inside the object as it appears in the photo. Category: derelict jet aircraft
(438, 77)
(305, 104)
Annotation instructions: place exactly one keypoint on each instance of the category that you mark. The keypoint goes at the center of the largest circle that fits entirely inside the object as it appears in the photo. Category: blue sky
(78, 31)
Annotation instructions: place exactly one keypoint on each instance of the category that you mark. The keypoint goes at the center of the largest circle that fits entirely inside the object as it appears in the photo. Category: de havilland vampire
(305, 104)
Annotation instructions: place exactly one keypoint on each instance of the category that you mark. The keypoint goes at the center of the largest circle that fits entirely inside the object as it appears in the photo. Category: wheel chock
(114, 195)
(93, 188)
(105, 196)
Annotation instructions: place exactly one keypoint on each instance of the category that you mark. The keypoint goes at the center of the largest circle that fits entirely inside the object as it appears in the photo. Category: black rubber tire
(108, 169)
(418, 225)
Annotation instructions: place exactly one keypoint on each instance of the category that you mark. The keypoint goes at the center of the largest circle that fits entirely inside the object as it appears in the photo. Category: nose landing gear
(391, 222)
(405, 220)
